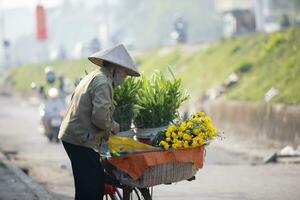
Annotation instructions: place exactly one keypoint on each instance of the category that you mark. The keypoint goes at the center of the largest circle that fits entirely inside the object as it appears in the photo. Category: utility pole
(5, 43)
(106, 17)
(2, 32)
(259, 14)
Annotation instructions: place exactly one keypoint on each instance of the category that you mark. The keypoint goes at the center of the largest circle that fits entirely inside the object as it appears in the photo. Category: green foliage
(125, 102)
(24, 75)
(244, 67)
(160, 99)
(236, 49)
(150, 102)
(210, 65)
(158, 137)
(275, 39)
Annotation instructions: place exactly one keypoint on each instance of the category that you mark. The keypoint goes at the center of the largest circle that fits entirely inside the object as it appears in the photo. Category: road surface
(225, 175)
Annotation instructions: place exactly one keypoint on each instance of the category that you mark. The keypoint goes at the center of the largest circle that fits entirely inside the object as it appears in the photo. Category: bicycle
(117, 191)
(124, 187)
(114, 190)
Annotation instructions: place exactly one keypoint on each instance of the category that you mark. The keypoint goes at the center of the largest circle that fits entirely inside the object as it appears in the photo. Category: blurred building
(274, 14)
(238, 16)
(245, 16)
(227, 5)
(154, 20)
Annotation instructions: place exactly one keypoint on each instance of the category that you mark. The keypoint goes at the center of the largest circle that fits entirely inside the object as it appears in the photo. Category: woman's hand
(115, 128)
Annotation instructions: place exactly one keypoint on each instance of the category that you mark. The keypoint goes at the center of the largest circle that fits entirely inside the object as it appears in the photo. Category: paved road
(19, 131)
(11, 187)
(225, 175)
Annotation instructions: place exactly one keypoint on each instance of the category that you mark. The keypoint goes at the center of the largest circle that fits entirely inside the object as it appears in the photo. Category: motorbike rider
(50, 75)
(53, 107)
(51, 78)
(180, 30)
(88, 120)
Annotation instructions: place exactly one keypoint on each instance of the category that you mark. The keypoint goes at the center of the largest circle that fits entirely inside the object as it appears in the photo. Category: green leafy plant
(125, 103)
(244, 67)
(159, 100)
(276, 39)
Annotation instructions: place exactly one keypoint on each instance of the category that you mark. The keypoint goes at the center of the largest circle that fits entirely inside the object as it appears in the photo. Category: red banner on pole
(41, 26)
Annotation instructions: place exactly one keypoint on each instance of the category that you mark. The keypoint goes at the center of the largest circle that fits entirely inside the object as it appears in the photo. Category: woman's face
(120, 75)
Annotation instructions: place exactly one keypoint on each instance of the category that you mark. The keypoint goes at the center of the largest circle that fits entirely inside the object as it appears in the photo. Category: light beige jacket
(89, 116)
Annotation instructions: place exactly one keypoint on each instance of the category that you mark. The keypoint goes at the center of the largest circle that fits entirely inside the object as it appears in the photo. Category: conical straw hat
(117, 55)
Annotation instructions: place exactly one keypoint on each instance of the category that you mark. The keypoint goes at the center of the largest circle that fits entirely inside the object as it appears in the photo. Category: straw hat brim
(117, 55)
(99, 62)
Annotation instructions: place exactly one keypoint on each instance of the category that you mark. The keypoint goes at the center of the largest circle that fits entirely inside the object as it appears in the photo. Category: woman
(88, 120)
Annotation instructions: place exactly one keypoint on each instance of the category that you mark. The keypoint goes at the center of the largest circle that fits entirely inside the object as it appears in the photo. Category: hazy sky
(6, 4)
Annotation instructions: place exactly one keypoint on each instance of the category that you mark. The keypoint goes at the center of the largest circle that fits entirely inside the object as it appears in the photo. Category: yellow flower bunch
(194, 132)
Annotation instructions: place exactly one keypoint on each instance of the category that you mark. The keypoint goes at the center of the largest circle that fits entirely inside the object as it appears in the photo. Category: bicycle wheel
(112, 197)
(144, 193)
(136, 194)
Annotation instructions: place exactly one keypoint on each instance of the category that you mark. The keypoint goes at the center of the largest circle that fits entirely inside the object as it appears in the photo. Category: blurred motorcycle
(52, 111)
(53, 103)
(179, 33)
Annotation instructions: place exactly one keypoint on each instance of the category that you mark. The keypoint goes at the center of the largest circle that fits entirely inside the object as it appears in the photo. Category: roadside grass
(262, 61)
(273, 61)
(24, 75)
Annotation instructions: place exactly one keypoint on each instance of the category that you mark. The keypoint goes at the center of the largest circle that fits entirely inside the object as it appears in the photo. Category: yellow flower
(211, 129)
(187, 137)
(168, 134)
(180, 134)
(206, 120)
(174, 135)
(196, 131)
(172, 128)
(179, 144)
(191, 133)
(182, 127)
(202, 128)
(166, 146)
(195, 139)
(211, 135)
(174, 141)
(200, 114)
(195, 119)
(200, 141)
(186, 144)
(189, 123)
(195, 144)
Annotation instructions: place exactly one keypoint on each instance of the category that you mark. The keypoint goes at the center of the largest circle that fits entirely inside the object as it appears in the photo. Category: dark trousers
(87, 171)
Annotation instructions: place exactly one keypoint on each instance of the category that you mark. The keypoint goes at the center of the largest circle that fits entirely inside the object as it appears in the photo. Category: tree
(295, 5)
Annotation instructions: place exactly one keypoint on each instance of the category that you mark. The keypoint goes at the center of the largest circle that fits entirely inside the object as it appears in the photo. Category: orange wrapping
(135, 164)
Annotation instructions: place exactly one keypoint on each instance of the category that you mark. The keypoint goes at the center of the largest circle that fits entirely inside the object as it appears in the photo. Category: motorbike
(52, 111)
(179, 33)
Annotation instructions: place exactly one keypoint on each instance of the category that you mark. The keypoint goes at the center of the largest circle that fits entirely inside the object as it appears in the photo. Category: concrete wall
(273, 124)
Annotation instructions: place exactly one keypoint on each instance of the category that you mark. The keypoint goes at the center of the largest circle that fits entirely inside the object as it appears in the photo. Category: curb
(36, 188)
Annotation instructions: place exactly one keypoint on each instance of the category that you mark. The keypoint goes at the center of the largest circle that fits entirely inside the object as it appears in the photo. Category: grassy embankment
(263, 61)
